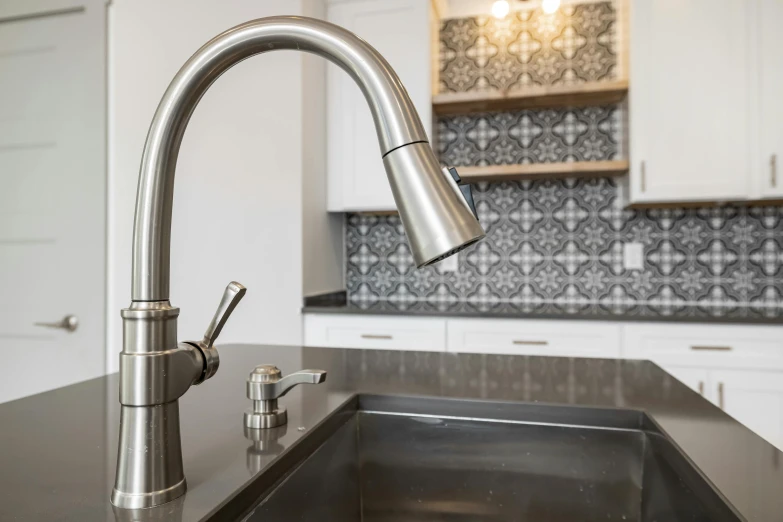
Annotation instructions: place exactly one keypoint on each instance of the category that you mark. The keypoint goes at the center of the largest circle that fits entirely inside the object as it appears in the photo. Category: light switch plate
(450, 264)
(633, 256)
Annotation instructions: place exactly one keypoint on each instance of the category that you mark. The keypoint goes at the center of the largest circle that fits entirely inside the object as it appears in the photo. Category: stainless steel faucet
(155, 370)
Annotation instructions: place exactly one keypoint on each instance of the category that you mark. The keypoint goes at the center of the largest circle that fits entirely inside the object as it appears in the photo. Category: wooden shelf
(576, 169)
(593, 93)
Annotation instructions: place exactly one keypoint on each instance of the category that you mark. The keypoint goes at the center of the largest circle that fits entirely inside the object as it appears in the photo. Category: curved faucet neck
(396, 121)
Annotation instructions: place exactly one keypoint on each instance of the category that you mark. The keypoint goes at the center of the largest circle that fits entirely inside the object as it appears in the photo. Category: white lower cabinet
(737, 367)
(754, 398)
(378, 332)
(696, 379)
(526, 337)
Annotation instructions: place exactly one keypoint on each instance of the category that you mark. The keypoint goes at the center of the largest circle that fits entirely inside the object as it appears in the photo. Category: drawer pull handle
(701, 387)
(530, 343)
(711, 348)
(376, 336)
(721, 398)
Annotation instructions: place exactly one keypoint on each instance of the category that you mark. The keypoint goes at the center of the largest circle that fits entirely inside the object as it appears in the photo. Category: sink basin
(388, 459)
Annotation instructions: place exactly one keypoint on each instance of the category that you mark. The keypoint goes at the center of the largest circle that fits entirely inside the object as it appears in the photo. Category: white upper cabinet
(690, 99)
(769, 103)
(401, 31)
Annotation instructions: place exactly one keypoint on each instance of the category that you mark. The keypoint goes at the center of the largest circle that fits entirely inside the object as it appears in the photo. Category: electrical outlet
(633, 256)
(450, 264)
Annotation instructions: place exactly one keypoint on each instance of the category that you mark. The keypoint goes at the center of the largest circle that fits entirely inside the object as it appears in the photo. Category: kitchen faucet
(155, 370)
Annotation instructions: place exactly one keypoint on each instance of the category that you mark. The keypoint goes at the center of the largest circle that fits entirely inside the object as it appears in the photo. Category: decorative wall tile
(576, 44)
(561, 242)
(531, 136)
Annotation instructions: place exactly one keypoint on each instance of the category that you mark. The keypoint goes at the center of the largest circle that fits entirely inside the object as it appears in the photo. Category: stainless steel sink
(415, 459)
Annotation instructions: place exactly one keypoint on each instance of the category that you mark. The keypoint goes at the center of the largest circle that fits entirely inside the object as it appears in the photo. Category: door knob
(69, 323)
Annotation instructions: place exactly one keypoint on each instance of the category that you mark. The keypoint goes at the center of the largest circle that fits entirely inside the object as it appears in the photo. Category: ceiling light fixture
(500, 9)
(549, 6)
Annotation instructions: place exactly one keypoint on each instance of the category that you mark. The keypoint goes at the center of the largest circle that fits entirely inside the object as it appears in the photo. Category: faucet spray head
(437, 219)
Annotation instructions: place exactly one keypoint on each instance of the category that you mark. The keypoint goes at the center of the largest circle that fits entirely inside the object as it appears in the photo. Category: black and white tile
(531, 136)
(560, 242)
(576, 44)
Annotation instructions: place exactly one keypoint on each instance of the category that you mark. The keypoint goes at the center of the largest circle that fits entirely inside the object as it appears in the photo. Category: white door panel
(52, 191)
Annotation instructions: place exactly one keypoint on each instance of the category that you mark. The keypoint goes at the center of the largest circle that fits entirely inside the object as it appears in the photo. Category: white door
(754, 398)
(52, 192)
(689, 102)
(769, 103)
(400, 30)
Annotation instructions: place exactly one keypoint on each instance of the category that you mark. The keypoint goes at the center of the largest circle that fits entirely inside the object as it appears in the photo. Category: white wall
(322, 234)
(238, 198)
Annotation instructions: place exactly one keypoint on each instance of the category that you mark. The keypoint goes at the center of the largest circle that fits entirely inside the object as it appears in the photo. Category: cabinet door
(696, 379)
(400, 31)
(689, 100)
(770, 99)
(705, 345)
(754, 398)
(375, 332)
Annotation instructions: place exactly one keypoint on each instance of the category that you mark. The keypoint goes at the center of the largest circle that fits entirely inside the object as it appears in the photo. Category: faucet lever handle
(233, 294)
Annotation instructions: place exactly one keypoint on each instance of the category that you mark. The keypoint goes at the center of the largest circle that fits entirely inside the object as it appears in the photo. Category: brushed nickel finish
(711, 348)
(529, 343)
(437, 220)
(69, 323)
(265, 385)
(377, 337)
(155, 370)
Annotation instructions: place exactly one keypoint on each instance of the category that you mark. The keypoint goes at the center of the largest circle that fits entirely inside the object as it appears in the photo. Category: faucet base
(147, 500)
(272, 419)
(149, 457)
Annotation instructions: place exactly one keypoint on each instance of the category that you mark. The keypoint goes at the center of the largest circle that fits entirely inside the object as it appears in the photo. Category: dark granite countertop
(58, 449)
(688, 314)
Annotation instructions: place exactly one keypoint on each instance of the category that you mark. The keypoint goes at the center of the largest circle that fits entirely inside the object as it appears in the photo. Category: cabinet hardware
(721, 401)
(773, 170)
(701, 387)
(375, 336)
(711, 348)
(69, 323)
(643, 172)
(530, 343)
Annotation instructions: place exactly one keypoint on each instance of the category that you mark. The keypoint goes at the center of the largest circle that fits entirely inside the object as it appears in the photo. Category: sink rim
(263, 484)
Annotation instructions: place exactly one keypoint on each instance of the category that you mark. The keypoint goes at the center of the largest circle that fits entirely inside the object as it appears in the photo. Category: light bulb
(500, 9)
(550, 6)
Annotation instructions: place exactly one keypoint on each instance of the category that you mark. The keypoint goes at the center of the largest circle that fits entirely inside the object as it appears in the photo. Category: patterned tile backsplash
(531, 136)
(561, 242)
(574, 45)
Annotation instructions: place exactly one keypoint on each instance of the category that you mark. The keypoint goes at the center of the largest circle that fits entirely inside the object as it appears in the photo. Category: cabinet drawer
(384, 333)
(706, 345)
(557, 338)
